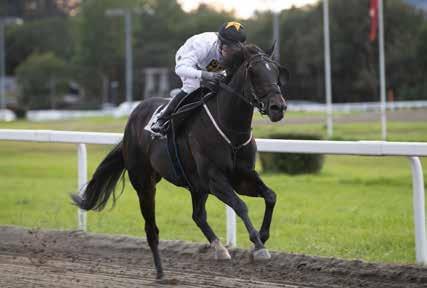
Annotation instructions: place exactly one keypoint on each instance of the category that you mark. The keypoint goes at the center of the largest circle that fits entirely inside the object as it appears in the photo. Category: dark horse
(216, 147)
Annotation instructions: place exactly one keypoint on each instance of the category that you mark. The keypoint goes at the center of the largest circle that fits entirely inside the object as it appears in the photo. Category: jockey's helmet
(232, 33)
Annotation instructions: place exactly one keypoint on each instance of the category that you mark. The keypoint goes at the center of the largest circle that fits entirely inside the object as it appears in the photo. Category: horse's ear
(270, 51)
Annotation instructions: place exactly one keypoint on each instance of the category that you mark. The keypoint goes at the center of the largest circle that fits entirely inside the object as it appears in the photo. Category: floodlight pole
(276, 35)
(129, 56)
(127, 14)
(382, 70)
(328, 89)
(3, 22)
(2, 67)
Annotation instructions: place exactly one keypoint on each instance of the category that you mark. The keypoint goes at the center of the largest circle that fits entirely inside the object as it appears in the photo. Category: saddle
(191, 102)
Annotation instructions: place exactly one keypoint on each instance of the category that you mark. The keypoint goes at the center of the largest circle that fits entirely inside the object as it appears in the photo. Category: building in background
(11, 90)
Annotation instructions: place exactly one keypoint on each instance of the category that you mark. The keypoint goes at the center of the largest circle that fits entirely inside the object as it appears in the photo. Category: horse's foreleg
(270, 201)
(221, 188)
(250, 184)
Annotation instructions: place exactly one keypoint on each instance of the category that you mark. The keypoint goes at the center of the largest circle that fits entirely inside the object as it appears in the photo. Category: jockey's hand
(214, 77)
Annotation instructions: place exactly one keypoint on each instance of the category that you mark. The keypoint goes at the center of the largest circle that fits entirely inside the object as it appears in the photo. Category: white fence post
(231, 227)
(82, 180)
(419, 211)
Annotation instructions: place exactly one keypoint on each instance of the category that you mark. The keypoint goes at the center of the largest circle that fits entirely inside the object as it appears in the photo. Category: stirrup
(160, 128)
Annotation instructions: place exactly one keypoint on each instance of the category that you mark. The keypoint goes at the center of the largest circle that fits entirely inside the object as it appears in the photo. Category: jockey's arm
(190, 55)
(187, 70)
(190, 72)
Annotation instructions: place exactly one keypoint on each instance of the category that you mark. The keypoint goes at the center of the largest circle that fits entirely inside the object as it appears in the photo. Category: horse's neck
(234, 115)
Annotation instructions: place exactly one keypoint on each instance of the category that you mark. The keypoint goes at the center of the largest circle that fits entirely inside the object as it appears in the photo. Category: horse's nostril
(275, 107)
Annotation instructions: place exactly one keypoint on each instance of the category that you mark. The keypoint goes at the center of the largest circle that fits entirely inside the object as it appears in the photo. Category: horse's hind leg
(200, 217)
(145, 185)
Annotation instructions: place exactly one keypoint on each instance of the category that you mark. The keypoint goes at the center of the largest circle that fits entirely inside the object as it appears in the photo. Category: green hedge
(291, 163)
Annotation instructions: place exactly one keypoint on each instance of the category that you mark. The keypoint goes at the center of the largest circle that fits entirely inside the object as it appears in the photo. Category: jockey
(200, 59)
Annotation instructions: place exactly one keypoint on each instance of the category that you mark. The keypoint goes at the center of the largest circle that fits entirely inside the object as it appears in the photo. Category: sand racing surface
(42, 258)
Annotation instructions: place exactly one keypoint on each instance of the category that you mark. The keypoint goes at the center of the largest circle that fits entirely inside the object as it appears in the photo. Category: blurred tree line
(73, 40)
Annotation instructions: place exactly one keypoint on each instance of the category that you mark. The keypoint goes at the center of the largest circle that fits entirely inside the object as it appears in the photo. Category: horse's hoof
(261, 255)
(159, 275)
(222, 254)
(166, 281)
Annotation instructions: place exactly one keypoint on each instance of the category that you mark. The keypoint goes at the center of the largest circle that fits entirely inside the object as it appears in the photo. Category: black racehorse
(216, 147)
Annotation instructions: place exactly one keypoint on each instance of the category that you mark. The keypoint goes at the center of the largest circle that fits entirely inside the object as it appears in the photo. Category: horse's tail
(103, 182)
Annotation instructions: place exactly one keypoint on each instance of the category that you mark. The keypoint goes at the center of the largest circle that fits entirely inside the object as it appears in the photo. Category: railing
(373, 148)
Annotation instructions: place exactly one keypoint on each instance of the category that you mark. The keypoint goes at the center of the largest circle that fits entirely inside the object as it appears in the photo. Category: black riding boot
(160, 125)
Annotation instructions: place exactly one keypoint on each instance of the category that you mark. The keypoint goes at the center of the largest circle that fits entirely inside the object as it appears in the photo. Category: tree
(100, 48)
(354, 58)
(405, 75)
(42, 77)
(37, 9)
(422, 47)
(92, 44)
(53, 34)
(160, 33)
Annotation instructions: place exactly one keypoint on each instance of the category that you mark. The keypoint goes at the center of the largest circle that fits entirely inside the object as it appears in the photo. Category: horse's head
(265, 80)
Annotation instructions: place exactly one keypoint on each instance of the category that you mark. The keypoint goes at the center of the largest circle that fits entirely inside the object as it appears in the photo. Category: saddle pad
(153, 120)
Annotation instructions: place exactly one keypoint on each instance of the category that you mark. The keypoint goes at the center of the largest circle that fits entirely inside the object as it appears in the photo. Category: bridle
(254, 100)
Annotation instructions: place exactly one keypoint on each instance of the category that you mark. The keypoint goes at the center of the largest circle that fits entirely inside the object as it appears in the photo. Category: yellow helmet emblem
(234, 24)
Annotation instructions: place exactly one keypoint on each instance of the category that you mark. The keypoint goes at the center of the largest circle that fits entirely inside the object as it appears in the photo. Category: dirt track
(35, 258)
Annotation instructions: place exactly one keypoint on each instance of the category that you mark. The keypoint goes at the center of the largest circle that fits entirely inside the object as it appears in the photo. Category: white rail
(412, 150)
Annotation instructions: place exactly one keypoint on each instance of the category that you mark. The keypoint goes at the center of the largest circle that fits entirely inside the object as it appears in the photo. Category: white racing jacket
(200, 52)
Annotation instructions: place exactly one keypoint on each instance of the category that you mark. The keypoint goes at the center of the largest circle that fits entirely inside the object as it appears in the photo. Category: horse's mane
(237, 59)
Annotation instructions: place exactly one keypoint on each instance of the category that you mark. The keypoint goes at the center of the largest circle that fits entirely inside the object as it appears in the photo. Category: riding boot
(161, 126)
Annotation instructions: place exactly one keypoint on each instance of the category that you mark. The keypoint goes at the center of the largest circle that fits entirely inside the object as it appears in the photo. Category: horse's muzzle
(277, 108)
